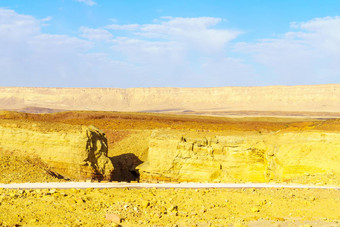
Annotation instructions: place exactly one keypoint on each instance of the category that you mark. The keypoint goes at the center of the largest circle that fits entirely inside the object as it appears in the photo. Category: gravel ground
(170, 207)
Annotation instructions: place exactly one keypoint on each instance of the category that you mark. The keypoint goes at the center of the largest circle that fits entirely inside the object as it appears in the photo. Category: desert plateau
(282, 145)
(290, 100)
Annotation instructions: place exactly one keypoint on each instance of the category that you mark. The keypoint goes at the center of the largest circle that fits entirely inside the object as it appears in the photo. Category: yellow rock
(255, 209)
(113, 218)
(145, 203)
(77, 152)
(297, 157)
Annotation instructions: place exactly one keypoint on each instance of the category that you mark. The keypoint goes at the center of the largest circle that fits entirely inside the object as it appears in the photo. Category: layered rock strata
(76, 152)
(301, 157)
(316, 98)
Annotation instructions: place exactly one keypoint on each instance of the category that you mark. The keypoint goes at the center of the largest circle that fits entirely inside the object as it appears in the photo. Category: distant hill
(311, 98)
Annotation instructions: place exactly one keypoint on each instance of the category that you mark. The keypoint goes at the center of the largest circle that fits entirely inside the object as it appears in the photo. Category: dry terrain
(170, 207)
(323, 99)
(135, 139)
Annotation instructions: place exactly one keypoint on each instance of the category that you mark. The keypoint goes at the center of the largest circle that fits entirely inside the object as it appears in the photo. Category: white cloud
(160, 62)
(175, 47)
(129, 27)
(29, 57)
(309, 54)
(195, 33)
(13, 25)
(88, 2)
(149, 51)
(322, 34)
(46, 19)
(96, 34)
(168, 52)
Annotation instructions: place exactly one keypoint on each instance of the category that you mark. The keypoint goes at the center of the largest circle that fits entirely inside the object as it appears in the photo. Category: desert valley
(286, 135)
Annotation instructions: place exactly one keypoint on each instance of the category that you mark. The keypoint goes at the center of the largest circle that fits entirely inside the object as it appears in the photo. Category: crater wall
(302, 157)
(315, 98)
(77, 152)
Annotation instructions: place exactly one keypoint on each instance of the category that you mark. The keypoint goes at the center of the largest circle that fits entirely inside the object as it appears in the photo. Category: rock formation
(75, 152)
(279, 157)
(316, 98)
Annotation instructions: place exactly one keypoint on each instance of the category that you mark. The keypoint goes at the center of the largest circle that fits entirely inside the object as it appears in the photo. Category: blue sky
(179, 43)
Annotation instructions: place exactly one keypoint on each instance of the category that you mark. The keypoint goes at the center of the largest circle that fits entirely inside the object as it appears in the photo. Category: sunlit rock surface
(75, 152)
(295, 157)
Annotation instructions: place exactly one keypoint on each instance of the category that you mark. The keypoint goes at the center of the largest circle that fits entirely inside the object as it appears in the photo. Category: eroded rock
(280, 157)
(201, 160)
(75, 152)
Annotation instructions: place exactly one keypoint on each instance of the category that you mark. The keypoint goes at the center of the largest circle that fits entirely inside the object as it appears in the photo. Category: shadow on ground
(125, 167)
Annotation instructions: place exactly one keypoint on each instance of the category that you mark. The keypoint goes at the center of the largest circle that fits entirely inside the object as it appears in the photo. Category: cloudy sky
(162, 43)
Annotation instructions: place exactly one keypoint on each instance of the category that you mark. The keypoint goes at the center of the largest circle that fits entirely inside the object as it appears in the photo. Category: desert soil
(170, 207)
(18, 168)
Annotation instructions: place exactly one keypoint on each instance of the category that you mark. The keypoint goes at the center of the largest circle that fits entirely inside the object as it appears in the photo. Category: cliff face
(77, 153)
(308, 157)
(317, 98)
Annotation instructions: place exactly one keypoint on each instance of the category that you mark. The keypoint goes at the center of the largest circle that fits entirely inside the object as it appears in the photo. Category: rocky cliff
(74, 152)
(316, 98)
(298, 157)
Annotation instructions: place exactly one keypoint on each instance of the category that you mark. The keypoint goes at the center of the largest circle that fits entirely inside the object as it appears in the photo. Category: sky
(162, 43)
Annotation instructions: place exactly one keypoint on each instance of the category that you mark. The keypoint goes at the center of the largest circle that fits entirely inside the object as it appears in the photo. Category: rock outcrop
(316, 98)
(75, 152)
(307, 157)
